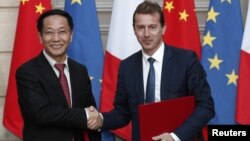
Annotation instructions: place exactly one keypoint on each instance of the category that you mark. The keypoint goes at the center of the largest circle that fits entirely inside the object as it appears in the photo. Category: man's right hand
(95, 120)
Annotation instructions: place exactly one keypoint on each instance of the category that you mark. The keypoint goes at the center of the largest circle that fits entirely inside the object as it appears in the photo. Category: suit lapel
(166, 71)
(48, 73)
(139, 78)
(73, 80)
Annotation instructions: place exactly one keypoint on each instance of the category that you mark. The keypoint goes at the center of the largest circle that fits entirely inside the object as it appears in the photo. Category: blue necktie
(150, 91)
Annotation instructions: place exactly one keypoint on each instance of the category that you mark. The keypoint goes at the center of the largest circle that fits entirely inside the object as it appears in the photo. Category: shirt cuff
(174, 137)
(86, 113)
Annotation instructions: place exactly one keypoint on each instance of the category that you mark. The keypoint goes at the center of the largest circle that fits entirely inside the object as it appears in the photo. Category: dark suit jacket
(43, 105)
(182, 75)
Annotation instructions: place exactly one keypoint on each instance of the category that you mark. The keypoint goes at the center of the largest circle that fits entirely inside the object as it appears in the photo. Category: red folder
(165, 116)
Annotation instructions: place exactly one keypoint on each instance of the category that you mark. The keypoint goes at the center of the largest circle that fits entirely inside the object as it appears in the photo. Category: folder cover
(165, 116)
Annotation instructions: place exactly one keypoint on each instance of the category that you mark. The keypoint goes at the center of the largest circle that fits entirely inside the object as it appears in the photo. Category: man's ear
(164, 28)
(40, 37)
(71, 37)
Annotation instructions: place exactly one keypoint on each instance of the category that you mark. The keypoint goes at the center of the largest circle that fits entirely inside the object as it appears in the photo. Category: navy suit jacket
(182, 75)
(43, 105)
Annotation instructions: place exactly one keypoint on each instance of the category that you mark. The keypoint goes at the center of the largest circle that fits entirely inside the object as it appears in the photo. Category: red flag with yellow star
(182, 27)
(26, 46)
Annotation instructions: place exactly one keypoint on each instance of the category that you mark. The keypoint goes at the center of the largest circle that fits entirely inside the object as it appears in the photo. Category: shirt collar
(158, 55)
(52, 62)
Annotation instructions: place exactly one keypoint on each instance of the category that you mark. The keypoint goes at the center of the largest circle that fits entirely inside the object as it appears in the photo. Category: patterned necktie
(150, 91)
(64, 82)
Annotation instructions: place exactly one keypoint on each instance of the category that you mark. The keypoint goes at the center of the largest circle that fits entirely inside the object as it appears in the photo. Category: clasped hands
(95, 119)
(95, 122)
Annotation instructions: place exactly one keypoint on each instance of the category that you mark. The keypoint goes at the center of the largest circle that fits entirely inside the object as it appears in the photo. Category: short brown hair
(148, 7)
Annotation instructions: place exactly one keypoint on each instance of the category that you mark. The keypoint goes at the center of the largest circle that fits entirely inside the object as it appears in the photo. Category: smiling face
(149, 31)
(56, 36)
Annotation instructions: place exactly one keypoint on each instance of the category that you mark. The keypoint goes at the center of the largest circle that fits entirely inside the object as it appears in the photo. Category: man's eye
(140, 27)
(48, 33)
(62, 31)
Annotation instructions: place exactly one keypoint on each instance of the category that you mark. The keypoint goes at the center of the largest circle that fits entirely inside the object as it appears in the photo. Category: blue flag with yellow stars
(220, 56)
(86, 46)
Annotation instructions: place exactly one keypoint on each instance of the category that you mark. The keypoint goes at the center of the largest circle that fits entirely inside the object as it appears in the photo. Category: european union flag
(220, 56)
(86, 47)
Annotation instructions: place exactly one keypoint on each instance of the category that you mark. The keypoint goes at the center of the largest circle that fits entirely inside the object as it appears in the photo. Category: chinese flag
(182, 27)
(26, 46)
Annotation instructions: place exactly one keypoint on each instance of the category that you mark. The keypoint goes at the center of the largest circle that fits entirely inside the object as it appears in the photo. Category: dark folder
(165, 116)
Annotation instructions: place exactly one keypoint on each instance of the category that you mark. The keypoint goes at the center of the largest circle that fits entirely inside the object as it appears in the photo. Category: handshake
(95, 119)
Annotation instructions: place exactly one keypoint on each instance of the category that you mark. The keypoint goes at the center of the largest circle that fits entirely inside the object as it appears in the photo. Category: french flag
(121, 43)
(243, 95)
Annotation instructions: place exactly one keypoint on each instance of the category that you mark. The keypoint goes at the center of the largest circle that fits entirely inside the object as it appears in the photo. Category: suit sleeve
(120, 115)
(37, 107)
(199, 87)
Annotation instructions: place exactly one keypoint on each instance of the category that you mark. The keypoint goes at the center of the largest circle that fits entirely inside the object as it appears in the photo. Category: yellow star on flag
(211, 15)
(39, 8)
(183, 15)
(169, 6)
(208, 39)
(215, 62)
(23, 1)
(232, 78)
(229, 1)
(76, 1)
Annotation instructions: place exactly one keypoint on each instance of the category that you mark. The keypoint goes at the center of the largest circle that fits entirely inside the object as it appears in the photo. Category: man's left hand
(163, 137)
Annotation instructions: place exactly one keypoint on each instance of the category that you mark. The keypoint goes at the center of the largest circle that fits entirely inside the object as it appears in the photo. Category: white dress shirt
(158, 56)
(52, 63)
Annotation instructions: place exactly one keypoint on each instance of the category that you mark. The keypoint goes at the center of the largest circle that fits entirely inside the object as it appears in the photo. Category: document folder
(165, 116)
